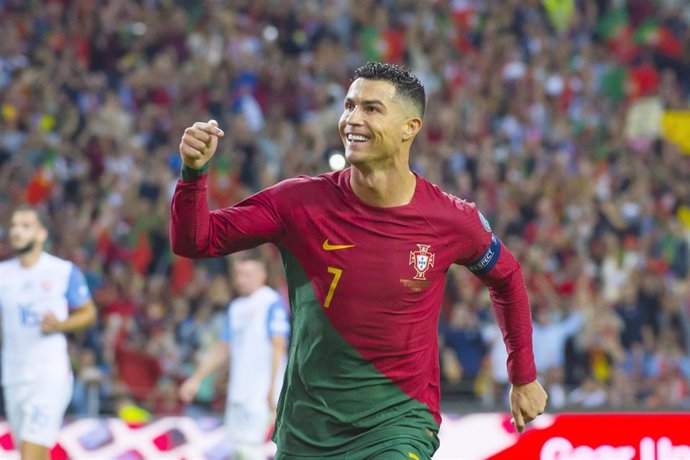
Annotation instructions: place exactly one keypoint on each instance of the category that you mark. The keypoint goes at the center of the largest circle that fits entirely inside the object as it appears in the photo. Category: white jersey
(26, 295)
(252, 322)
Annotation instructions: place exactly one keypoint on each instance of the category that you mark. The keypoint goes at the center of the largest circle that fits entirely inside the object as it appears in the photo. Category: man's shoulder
(9, 264)
(304, 182)
(53, 261)
(46, 260)
(268, 294)
(437, 198)
(306, 190)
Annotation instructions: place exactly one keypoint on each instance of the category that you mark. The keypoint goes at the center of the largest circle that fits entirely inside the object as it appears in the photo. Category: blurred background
(566, 121)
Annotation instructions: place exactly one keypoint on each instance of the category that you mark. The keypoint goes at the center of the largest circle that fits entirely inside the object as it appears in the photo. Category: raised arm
(196, 231)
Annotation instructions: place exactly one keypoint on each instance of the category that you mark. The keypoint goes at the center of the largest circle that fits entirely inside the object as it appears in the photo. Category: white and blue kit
(251, 323)
(36, 370)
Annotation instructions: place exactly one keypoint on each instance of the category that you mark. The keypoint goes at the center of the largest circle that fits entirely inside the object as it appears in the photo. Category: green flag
(613, 83)
(612, 24)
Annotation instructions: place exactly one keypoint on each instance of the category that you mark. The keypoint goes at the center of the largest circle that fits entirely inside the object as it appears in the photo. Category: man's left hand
(526, 403)
(50, 324)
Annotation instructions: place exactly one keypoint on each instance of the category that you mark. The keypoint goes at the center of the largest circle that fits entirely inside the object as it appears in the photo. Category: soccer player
(365, 252)
(255, 341)
(41, 298)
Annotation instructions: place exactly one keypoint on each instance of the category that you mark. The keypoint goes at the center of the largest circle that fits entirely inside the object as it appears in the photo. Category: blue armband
(487, 261)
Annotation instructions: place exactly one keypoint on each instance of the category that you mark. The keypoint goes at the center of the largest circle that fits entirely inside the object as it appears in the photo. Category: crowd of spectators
(530, 115)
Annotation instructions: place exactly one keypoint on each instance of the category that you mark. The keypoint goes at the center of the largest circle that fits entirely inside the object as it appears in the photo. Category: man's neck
(29, 259)
(383, 188)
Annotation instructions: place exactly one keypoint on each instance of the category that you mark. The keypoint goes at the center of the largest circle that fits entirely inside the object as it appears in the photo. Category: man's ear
(43, 234)
(412, 127)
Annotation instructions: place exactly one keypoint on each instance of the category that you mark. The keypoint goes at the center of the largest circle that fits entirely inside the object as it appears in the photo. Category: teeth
(356, 138)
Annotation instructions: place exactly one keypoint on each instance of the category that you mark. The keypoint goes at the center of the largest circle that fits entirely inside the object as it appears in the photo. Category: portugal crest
(421, 259)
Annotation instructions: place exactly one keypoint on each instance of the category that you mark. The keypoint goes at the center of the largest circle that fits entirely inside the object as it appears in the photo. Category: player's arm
(512, 312)
(498, 269)
(78, 319)
(216, 357)
(511, 308)
(279, 346)
(197, 232)
(279, 331)
(82, 307)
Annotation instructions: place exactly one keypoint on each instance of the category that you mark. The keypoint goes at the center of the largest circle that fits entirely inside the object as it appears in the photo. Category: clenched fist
(526, 403)
(199, 143)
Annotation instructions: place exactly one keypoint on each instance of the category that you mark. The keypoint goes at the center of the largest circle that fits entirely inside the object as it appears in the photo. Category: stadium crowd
(534, 114)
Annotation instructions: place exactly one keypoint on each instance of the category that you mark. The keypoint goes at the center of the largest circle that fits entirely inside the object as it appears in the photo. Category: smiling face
(376, 125)
(27, 233)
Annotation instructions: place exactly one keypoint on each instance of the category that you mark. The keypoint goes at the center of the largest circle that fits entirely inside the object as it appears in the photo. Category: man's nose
(354, 117)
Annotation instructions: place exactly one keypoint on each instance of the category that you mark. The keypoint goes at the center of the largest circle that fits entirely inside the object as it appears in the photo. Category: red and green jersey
(365, 286)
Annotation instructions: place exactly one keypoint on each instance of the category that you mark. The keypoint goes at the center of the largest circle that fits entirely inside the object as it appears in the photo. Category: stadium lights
(336, 160)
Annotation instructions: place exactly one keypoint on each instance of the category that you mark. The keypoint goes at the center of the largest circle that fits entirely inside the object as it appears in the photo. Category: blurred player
(255, 341)
(365, 251)
(41, 298)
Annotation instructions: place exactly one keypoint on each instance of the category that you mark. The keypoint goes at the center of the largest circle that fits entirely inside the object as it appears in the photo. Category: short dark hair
(407, 85)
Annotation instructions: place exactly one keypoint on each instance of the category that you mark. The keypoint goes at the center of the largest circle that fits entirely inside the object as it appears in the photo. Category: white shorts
(35, 410)
(247, 429)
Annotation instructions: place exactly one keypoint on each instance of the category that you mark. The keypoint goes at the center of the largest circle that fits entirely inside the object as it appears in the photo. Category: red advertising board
(605, 437)
(481, 436)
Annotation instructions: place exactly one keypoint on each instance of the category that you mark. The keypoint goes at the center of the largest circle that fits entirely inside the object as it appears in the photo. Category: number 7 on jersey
(334, 283)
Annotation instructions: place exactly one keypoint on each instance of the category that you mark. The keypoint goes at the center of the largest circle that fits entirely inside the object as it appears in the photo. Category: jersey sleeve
(78, 292)
(226, 331)
(197, 232)
(278, 322)
(498, 269)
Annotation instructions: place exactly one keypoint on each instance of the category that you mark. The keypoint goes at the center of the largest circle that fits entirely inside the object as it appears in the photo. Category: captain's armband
(487, 261)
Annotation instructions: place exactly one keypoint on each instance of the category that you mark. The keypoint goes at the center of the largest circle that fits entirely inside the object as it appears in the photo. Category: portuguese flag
(615, 29)
(653, 34)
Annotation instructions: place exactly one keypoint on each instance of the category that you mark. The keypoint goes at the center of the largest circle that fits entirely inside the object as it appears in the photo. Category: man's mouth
(356, 138)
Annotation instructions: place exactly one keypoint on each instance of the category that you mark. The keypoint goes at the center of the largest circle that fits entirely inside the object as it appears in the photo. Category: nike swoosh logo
(334, 247)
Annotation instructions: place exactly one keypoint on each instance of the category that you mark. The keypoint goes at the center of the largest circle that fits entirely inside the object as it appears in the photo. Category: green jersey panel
(332, 398)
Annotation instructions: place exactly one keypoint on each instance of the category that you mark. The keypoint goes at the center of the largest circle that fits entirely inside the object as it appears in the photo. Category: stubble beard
(27, 248)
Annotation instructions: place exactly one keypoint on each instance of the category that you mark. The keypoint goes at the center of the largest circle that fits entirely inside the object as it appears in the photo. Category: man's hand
(526, 403)
(189, 388)
(50, 323)
(199, 143)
